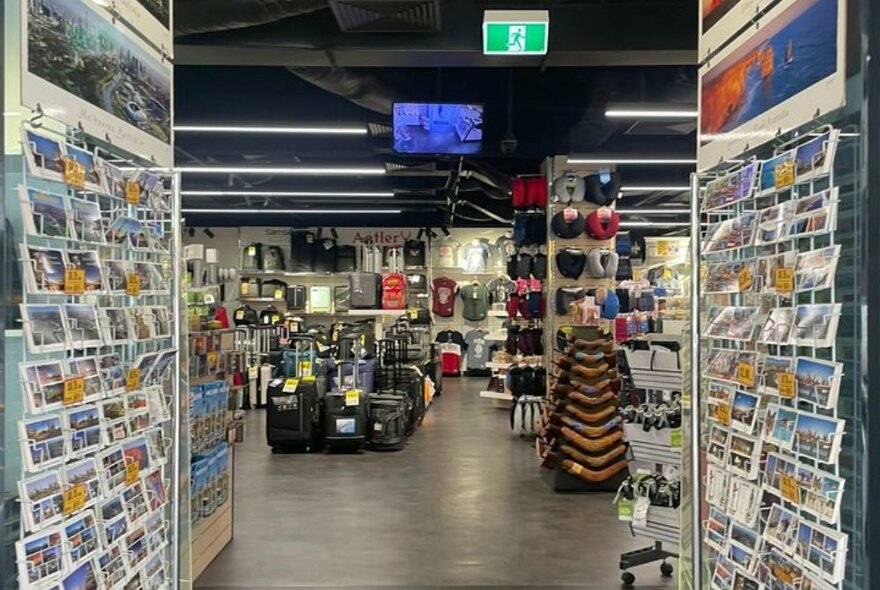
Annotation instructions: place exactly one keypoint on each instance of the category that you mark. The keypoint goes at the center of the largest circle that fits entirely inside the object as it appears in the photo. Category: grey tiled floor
(462, 506)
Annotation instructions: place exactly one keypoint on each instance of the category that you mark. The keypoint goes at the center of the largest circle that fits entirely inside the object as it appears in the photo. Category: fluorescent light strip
(306, 171)
(648, 189)
(295, 211)
(281, 194)
(651, 113)
(653, 211)
(606, 161)
(287, 130)
(658, 224)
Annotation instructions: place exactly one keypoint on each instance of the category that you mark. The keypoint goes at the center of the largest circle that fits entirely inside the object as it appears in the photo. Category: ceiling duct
(387, 16)
(204, 16)
(362, 88)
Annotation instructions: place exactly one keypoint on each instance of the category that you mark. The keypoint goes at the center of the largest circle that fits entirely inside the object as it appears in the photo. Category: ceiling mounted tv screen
(438, 128)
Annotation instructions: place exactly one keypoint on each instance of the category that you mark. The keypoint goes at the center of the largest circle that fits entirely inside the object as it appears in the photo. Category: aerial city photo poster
(150, 18)
(81, 68)
(771, 79)
(721, 19)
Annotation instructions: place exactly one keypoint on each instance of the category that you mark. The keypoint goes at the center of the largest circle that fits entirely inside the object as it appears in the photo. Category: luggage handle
(297, 340)
(356, 360)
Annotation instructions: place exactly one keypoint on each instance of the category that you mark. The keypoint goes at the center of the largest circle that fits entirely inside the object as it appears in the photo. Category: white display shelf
(496, 395)
(491, 365)
(377, 312)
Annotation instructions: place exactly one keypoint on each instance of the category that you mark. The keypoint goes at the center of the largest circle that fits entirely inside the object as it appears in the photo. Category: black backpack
(245, 316)
(252, 257)
(325, 254)
(302, 251)
(346, 258)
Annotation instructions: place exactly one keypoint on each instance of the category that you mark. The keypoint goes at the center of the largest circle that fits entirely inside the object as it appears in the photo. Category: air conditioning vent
(387, 16)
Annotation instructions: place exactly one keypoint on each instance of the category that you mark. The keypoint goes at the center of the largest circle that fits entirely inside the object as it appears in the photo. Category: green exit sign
(515, 32)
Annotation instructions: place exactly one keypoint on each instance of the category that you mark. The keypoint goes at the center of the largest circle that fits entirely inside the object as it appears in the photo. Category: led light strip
(606, 161)
(651, 114)
(339, 211)
(283, 194)
(305, 171)
(286, 130)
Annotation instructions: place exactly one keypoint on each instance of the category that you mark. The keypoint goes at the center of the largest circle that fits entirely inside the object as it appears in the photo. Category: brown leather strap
(598, 445)
(592, 401)
(590, 417)
(594, 462)
(586, 431)
(591, 475)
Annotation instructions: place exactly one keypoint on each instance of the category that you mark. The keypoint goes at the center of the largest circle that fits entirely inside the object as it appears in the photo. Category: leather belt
(594, 462)
(594, 476)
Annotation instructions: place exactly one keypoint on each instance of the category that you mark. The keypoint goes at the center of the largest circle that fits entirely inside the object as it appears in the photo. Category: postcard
(45, 214)
(777, 173)
(777, 327)
(818, 381)
(820, 493)
(717, 483)
(816, 324)
(722, 574)
(155, 489)
(744, 455)
(822, 550)
(113, 179)
(141, 324)
(112, 372)
(161, 321)
(156, 445)
(154, 572)
(87, 368)
(145, 363)
(724, 277)
(135, 502)
(744, 559)
(45, 327)
(43, 385)
(719, 438)
(781, 528)
(744, 411)
(84, 577)
(85, 330)
(818, 437)
(716, 529)
(112, 463)
(114, 520)
(42, 498)
(732, 323)
(770, 370)
(40, 557)
(44, 155)
(137, 547)
(165, 360)
(86, 221)
(81, 537)
(135, 450)
(779, 425)
(116, 275)
(742, 581)
(720, 397)
(89, 162)
(744, 501)
(43, 269)
(111, 564)
(90, 264)
(782, 571)
(819, 215)
(84, 429)
(776, 466)
(731, 234)
(157, 533)
(84, 472)
(42, 441)
(731, 188)
(122, 231)
(117, 327)
(816, 157)
(767, 269)
(723, 363)
(816, 270)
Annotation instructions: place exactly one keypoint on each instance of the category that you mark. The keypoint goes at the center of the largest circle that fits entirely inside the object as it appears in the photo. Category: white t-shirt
(476, 256)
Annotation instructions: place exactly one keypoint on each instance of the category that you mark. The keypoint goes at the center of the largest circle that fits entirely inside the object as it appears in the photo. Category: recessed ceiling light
(302, 170)
(284, 194)
(293, 130)
(340, 211)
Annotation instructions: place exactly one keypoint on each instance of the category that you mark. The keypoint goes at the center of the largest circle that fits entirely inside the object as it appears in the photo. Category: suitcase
(325, 254)
(389, 409)
(250, 287)
(302, 251)
(252, 257)
(273, 259)
(293, 417)
(296, 297)
(365, 285)
(320, 298)
(346, 258)
(345, 412)
(274, 289)
(394, 286)
(341, 298)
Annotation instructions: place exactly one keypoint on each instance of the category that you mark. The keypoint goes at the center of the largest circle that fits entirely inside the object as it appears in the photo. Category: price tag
(352, 397)
(133, 284)
(722, 412)
(745, 374)
(252, 251)
(783, 174)
(132, 471)
(662, 248)
(744, 277)
(253, 373)
(785, 279)
(245, 288)
(132, 192)
(667, 273)
(212, 358)
(640, 512)
(278, 295)
(74, 174)
(74, 390)
(305, 367)
(786, 384)
(788, 486)
(133, 379)
(308, 379)
(74, 281)
(413, 313)
(675, 438)
(290, 385)
(74, 498)
(209, 300)
(239, 315)
(625, 509)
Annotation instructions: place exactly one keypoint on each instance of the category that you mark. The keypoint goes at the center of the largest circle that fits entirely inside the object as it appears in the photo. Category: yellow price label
(74, 173)
(662, 248)
(783, 174)
(744, 277)
(212, 358)
(308, 379)
(279, 294)
(745, 374)
(132, 471)
(722, 413)
(788, 487)
(133, 284)
(74, 281)
(785, 279)
(253, 373)
(667, 273)
(74, 390)
(290, 385)
(352, 397)
(74, 498)
(252, 251)
(786, 384)
(413, 313)
(133, 379)
(132, 192)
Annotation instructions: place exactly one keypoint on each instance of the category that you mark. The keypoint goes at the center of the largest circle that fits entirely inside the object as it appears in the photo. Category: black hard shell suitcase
(293, 416)
(365, 285)
(345, 412)
(302, 251)
(386, 421)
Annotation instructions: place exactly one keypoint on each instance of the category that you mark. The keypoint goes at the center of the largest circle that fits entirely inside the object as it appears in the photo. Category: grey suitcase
(365, 285)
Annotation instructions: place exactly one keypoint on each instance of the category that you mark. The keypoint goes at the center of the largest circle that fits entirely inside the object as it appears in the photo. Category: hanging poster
(81, 68)
(778, 75)
(151, 18)
(721, 19)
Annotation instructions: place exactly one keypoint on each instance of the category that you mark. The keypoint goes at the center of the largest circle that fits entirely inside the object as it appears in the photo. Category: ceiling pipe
(205, 16)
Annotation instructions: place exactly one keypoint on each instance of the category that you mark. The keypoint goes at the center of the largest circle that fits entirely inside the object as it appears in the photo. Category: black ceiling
(265, 62)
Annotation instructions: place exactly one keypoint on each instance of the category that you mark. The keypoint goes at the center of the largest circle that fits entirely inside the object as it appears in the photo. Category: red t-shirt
(444, 297)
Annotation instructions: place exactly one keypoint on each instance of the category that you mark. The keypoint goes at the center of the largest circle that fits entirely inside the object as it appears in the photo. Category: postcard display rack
(770, 371)
(98, 492)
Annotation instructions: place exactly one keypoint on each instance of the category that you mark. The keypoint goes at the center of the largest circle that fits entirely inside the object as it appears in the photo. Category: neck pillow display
(599, 231)
(565, 297)
(571, 262)
(608, 303)
(602, 193)
(602, 264)
(568, 223)
(569, 188)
